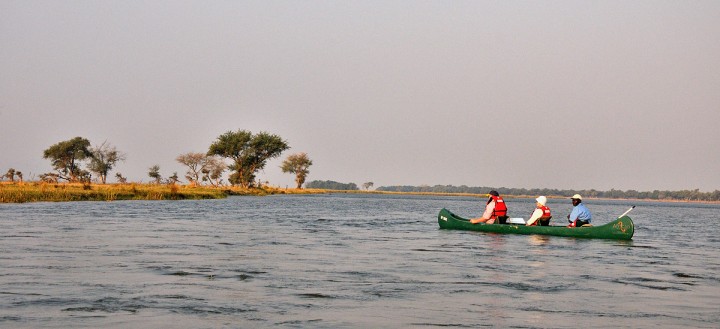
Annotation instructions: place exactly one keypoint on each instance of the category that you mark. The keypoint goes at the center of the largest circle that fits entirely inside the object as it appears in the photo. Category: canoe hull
(619, 229)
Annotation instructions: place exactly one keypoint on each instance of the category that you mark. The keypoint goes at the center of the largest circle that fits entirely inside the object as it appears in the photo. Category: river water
(349, 261)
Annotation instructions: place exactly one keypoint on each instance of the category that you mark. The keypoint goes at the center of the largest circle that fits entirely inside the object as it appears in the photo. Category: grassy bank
(46, 192)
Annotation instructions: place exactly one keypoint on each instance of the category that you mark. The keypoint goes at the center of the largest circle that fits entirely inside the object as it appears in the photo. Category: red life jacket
(500, 207)
(546, 211)
(545, 215)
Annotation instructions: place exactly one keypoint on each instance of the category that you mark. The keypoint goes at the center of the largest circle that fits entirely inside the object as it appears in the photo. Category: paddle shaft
(625, 213)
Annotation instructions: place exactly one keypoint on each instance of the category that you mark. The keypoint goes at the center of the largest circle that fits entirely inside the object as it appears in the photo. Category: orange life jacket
(500, 207)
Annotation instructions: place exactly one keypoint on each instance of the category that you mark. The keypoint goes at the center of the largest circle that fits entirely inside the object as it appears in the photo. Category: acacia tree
(104, 157)
(297, 164)
(248, 152)
(194, 161)
(202, 167)
(174, 179)
(233, 145)
(367, 185)
(10, 175)
(212, 171)
(120, 178)
(154, 173)
(66, 157)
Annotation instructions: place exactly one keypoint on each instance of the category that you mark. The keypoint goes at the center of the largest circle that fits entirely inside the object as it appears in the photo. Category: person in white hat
(580, 214)
(541, 214)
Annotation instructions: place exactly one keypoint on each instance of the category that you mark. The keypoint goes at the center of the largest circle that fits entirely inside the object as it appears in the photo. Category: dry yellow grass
(38, 191)
(48, 192)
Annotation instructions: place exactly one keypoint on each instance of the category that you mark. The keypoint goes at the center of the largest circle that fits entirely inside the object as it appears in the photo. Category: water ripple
(346, 261)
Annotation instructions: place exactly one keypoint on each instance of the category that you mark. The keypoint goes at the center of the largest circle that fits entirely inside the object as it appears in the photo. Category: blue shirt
(580, 212)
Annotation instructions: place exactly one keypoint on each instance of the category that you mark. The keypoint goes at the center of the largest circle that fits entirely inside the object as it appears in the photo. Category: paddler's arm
(573, 215)
(486, 215)
(535, 215)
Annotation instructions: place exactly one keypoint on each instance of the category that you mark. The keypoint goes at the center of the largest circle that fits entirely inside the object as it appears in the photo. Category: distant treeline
(331, 185)
(684, 195)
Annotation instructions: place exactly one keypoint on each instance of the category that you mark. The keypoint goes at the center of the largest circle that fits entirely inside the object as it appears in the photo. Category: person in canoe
(495, 208)
(541, 216)
(580, 214)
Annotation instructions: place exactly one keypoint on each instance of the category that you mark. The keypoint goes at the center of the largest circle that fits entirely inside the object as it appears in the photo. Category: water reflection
(538, 240)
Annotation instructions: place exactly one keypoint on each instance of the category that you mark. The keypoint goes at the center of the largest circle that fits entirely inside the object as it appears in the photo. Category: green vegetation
(202, 167)
(66, 157)
(249, 153)
(154, 173)
(332, 185)
(103, 158)
(684, 195)
(299, 165)
(11, 174)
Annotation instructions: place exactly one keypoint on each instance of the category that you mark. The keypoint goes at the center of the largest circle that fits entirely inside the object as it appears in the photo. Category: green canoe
(619, 229)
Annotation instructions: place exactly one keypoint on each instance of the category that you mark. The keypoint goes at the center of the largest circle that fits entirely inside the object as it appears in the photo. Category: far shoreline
(506, 196)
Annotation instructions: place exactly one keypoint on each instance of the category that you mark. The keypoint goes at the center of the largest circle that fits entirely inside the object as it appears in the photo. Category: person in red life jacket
(541, 214)
(495, 209)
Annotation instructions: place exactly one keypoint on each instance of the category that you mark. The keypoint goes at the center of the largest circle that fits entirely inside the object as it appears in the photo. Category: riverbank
(62, 192)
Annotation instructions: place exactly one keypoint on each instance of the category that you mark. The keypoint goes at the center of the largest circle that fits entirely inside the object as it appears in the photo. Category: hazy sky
(548, 94)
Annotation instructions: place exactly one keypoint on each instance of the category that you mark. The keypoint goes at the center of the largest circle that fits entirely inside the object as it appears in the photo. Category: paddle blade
(625, 213)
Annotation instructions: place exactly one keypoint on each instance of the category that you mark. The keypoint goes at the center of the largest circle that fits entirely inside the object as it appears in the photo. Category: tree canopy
(66, 157)
(249, 153)
(298, 164)
(202, 167)
(103, 159)
(11, 173)
(154, 173)
(194, 161)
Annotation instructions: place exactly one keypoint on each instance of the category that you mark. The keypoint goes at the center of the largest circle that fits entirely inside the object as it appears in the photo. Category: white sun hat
(541, 200)
(576, 196)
